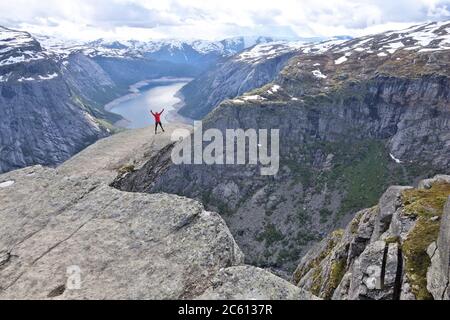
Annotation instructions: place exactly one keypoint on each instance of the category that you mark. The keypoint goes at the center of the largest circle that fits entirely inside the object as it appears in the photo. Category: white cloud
(216, 18)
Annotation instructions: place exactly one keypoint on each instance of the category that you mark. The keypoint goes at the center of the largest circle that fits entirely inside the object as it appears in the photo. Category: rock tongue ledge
(71, 217)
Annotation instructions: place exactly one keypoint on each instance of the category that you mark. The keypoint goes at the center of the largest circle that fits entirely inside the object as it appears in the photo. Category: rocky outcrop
(388, 252)
(66, 234)
(427, 183)
(125, 246)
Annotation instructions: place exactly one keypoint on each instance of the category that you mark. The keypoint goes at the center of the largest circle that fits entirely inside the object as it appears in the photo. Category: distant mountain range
(173, 50)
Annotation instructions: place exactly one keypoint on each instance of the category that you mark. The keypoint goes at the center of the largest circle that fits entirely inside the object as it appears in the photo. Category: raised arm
(161, 112)
(152, 112)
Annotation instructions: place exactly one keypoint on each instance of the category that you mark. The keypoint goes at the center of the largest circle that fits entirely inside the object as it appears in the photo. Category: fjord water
(157, 95)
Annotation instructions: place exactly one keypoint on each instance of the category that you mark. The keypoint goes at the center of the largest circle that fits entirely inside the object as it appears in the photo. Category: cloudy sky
(216, 19)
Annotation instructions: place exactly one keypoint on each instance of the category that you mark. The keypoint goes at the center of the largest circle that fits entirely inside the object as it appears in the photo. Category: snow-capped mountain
(434, 36)
(224, 48)
(254, 67)
(16, 47)
(19, 50)
(269, 50)
(47, 102)
(151, 48)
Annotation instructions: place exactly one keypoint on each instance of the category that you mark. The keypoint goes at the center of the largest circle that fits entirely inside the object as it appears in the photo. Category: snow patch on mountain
(322, 46)
(318, 74)
(21, 58)
(5, 77)
(253, 97)
(268, 50)
(341, 60)
(49, 76)
(14, 39)
(392, 47)
(275, 88)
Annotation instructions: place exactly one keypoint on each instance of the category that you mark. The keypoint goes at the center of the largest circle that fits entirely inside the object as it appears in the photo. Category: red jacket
(157, 116)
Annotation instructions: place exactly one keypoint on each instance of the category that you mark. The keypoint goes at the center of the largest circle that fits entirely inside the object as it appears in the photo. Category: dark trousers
(158, 124)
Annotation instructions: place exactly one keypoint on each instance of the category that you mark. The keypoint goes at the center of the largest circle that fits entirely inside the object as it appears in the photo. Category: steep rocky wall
(89, 82)
(126, 71)
(43, 121)
(227, 80)
(438, 275)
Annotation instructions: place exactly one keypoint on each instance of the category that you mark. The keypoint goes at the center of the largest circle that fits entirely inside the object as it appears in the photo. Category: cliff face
(395, 250)
(90, 82)
(47, 103)
(43, 121)
(233, 77)
(354, 117)
(66, 234)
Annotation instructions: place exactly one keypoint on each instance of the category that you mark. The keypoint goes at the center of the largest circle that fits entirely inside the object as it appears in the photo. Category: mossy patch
(335, 237)
(324, 286)
(422, 204)
(354, 225)
(316, 282)
(126, 169)
(337, 272)
(426, 203)
(393, 239)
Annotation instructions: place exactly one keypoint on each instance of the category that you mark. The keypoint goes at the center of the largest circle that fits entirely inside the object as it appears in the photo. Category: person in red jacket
(157, 117)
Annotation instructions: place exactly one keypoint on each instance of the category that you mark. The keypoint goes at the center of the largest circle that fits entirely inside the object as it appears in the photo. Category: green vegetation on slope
(424, 205)
(271, 234)
(361, 171)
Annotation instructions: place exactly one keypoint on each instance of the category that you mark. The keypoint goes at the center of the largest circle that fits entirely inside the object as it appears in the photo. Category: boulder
(427, 183)
(68, 238)
(388, 205)
(251, 283)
